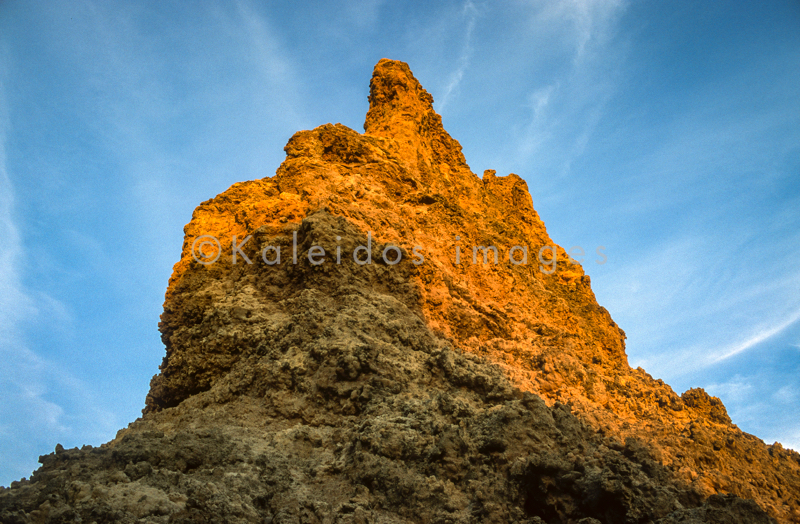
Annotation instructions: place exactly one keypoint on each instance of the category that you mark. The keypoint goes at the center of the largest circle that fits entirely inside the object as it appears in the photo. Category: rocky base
(440, 454)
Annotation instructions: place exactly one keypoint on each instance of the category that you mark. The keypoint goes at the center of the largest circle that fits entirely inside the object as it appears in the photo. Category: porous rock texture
(362, 390)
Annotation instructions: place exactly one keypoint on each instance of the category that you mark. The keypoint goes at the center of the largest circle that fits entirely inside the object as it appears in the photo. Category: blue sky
(667, 133)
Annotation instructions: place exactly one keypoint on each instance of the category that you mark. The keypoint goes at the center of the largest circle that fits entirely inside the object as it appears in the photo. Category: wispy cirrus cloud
(470, 13)
(589, 22)
(140, 125)
(14, 302)
(763, 334)
(33, 388)
(785, 395)
(564, 113)
(363, 13)
(737, 389)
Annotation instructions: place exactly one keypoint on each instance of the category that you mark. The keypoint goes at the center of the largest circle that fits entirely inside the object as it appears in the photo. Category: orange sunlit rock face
(405, 182)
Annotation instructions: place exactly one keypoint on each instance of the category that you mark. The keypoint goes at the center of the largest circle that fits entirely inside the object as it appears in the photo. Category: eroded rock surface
(432, 391)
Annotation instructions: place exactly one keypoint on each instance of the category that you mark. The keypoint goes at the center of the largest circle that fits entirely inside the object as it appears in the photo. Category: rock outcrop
(353, 356)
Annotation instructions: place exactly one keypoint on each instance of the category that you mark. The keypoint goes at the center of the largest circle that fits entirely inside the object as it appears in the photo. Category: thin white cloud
(540, 99)
(639, 284)
(471, 14)
(786, 395)
(14, 303)
(43, 403)
(566, 111)
(538, 103)
(20, 377)
(363, 13)
(587, 24)
(658, 295)
(133, 97)
(275, 69)
(741, 298)
(755, 339)
(737, 389)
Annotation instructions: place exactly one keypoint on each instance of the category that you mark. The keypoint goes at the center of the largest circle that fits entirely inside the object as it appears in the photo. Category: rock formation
(303, 383)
